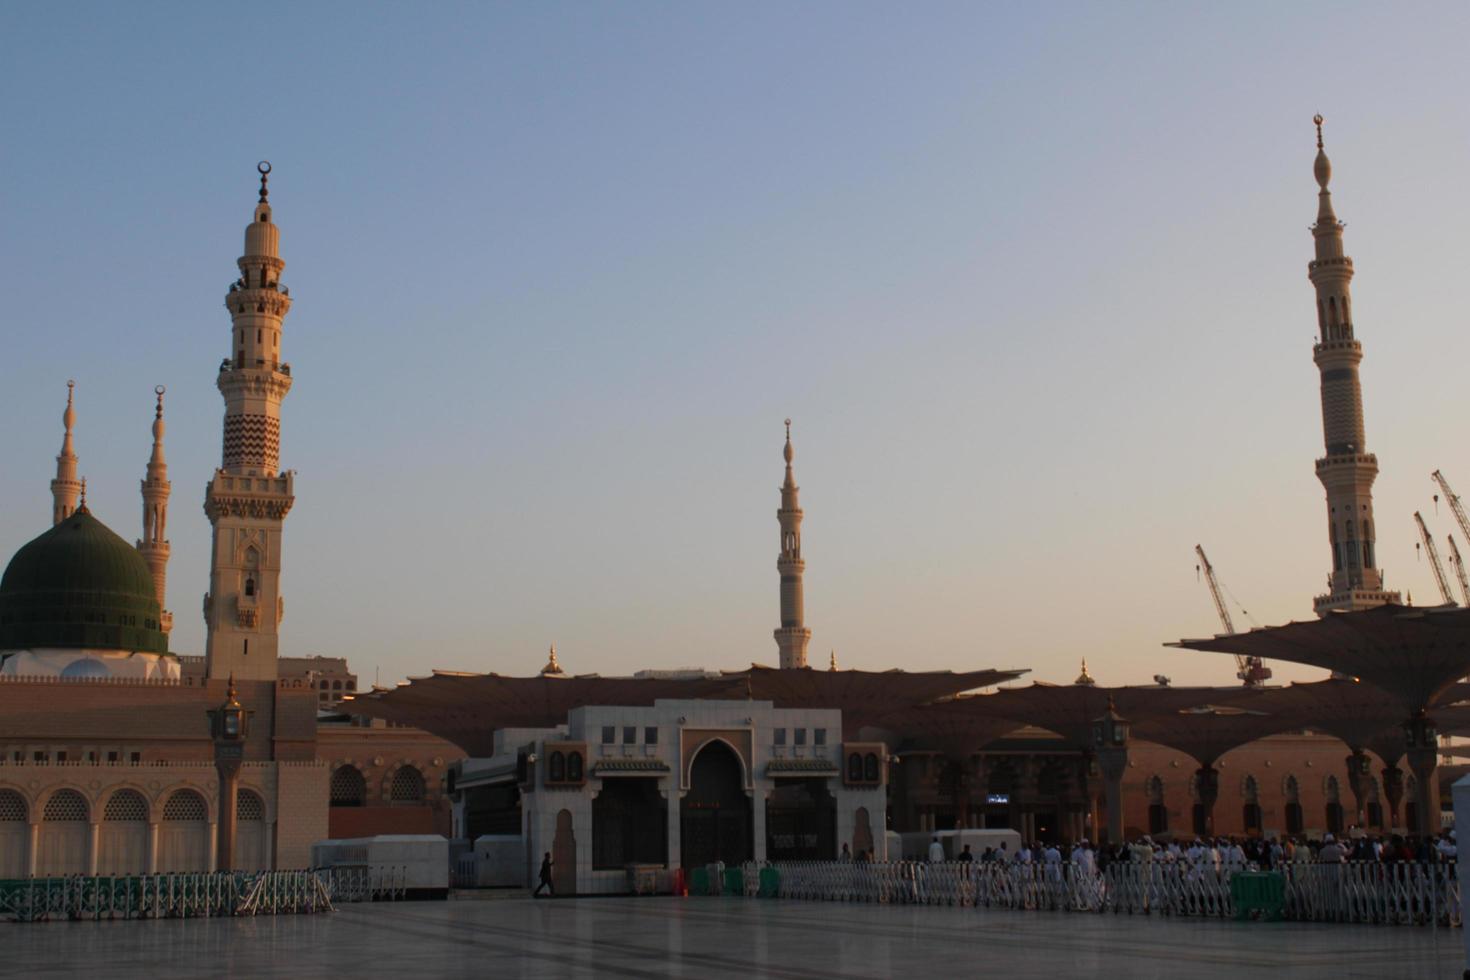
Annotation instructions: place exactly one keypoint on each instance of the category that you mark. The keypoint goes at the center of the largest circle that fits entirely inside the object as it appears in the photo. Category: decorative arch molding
(1291, 788)
(1153, 788)
(737, 741)
(150, 797)
(38, 805)
(1250, 788)
(1331, 789)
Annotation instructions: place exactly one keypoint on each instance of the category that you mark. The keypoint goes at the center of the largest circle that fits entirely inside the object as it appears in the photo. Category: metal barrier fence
(1400, 893)
(194, 895)
(346, 884)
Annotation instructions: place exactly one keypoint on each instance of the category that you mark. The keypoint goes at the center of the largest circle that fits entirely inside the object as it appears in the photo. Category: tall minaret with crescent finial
(156, 489)
(792, 636)
(248, 499)
(1347, 470)
(66, 486)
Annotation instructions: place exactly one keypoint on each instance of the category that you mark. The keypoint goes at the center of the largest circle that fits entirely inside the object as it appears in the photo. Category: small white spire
(64, 488)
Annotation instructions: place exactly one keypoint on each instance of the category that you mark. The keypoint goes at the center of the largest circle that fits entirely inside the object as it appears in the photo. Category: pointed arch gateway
(715, 815)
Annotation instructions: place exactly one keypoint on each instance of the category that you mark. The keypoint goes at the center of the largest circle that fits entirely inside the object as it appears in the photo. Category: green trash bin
(1258, 891)
(698, 881)
(770, 883)
(734, 882)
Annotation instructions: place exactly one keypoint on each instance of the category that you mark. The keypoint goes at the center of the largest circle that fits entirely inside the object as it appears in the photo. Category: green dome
(79, 585)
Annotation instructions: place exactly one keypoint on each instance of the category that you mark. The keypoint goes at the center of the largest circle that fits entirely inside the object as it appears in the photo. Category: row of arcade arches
(1294, 819)
(349, 786)
(132, 836)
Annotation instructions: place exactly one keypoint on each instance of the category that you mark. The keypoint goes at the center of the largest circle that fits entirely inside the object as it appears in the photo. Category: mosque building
(108, 763)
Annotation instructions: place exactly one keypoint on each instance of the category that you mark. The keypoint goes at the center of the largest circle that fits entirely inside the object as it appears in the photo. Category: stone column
(1422, 737)
(152, 855)
(1424, 764)
(1209, 792)
(675, 826)
(1114, 762)
(1359, 768)
(94, 839)
(215, 828)
(223, 833)
(33, 849)
(1393, 792)
(758, 823)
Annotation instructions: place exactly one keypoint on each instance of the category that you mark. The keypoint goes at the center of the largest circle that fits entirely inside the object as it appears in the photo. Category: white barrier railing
(1400, 893)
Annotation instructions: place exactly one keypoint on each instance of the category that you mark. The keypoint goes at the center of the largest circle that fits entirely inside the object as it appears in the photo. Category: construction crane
(1459, 564)
(1434, 562)
(1453, 499)
(1251, 671)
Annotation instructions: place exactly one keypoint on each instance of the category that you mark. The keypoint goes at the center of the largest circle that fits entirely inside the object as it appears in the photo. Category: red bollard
(681, 887)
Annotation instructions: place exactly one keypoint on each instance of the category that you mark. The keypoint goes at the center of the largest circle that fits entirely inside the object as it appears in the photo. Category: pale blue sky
(1030, 279)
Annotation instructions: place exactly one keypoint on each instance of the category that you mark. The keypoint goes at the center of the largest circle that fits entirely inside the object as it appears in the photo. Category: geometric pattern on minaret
(156, 489)
(66, 486)
(1347, 470)
(792, 636)
(248, 499)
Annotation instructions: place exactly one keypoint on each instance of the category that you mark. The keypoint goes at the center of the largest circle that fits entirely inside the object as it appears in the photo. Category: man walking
(545, 878)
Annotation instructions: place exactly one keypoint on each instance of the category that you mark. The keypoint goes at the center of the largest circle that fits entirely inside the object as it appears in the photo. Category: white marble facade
(662, 743)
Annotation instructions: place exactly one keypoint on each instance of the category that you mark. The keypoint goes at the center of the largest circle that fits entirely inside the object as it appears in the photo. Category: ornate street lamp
(1110, 743)
(1421, 740)
(229, 726)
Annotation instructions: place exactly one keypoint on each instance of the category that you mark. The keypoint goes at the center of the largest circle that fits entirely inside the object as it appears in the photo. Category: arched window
(556, 768)
(854, 768)
(574, 767)
(1158, 813)
(324, 685)
(1251, 811)
(1292, 791)
(249, 806)
(12, 806)
(65, 805)
(250, 586)
(870, 768)
(336, 685)
(1333, 810)
(125, 804)
(185, 805)
(348, 787)
(408, 786)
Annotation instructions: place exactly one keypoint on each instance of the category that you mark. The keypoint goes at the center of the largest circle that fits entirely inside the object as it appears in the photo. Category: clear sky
(1030, 279)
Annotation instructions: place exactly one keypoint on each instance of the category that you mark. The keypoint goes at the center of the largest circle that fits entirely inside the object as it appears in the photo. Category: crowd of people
(1222, 853)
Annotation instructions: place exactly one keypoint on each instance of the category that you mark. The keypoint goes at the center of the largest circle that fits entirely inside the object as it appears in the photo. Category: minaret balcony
(1336, 349)
(1348, 459)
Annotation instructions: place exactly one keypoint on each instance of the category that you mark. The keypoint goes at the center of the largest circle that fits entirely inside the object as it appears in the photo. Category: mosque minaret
(792, 636)
(1347, 470)
(156, 489)
(66, 487)
(248, 499)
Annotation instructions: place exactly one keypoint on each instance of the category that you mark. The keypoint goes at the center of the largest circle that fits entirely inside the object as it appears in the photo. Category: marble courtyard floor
(714, 938)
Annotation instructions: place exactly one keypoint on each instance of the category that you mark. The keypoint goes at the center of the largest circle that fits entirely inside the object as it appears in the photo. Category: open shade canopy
(1414, 654)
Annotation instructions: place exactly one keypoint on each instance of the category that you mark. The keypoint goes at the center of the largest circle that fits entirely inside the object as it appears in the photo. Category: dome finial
(264, 169)
(1085, 679)
(82, 507)
(159, 390)
(552, 668)
(787, 452)
(1321, 167)
(832, 661)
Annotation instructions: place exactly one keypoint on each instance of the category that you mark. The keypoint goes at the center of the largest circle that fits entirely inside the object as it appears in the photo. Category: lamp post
(1110, 743)
(229, 725)
(1421, 739)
